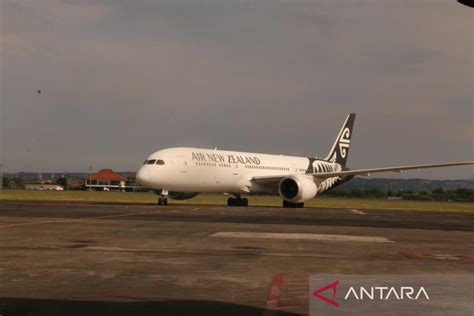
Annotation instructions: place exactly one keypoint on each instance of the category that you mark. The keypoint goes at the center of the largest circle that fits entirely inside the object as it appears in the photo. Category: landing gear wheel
(238, 201)
(292, 205)
(162, 201)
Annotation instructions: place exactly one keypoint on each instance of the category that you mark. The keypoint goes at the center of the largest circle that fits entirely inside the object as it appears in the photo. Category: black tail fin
(340, 149)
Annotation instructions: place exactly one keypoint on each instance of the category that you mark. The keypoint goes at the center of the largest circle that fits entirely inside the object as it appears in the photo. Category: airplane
(182, 173)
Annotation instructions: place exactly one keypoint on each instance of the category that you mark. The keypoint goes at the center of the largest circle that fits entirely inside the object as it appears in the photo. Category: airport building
(43, 186)
(105, 180)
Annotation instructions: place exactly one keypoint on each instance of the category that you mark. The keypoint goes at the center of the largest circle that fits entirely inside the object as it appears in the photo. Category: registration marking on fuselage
(298, 236)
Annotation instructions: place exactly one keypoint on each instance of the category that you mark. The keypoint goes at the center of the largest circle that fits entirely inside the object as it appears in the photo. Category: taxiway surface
(75, 259)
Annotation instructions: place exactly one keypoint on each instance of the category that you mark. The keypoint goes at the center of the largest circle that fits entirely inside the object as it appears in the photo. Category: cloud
(123, 78)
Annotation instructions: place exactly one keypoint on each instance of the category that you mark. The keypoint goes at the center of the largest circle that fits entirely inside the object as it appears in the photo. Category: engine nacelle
(297, 189)
(182, 195)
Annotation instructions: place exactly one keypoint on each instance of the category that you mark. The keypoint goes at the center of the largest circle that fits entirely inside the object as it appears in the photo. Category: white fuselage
(204, 170)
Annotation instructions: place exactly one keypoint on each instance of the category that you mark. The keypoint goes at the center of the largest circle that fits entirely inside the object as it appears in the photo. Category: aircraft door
(182, 164)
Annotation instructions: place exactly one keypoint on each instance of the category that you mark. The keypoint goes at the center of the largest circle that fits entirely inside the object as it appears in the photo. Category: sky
(120, 79)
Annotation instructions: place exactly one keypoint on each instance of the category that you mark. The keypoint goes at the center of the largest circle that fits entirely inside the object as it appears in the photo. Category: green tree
(358, 192)
(17, 183)
(463, 193)
(62, 181)
(6, 182)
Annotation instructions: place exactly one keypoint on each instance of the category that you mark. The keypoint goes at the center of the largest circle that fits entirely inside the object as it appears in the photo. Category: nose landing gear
(163, 199)
(237, 201)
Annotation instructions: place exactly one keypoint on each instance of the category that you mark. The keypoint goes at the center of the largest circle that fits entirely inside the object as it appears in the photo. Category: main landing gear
(292, 205)
(237, 201)
(163, 201)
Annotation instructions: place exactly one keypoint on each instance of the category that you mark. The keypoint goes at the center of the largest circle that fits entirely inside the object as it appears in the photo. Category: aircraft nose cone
(143, 176)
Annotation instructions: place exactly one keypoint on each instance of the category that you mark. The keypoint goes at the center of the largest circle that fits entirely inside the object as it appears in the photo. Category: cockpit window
(160, 162)
(145, 162)
(151, 162)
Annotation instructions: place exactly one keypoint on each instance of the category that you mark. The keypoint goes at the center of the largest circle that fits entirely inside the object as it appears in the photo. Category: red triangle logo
(318, 293)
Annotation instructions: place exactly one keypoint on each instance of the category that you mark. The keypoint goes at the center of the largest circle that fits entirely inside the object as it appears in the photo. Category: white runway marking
(358, 212)
(295, 236)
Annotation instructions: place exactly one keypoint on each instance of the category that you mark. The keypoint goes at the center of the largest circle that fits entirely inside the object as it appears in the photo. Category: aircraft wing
(399, 169)
(271, 181)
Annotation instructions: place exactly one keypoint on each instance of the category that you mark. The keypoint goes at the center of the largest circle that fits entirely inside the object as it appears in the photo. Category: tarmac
(95, 259)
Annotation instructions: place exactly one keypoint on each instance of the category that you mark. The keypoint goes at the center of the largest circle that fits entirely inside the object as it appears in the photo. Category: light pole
(90, 178)
(1, 176)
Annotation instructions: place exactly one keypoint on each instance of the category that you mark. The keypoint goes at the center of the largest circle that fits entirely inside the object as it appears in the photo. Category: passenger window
(151, 162)
(160, 162)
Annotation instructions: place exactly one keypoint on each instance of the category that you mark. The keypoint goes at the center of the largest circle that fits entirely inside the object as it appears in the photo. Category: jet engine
(297, 189)
(182, 195)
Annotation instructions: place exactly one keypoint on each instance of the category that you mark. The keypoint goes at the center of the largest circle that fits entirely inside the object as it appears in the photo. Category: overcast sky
(123, 78)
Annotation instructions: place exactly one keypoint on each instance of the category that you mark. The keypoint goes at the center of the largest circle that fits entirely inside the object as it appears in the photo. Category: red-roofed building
(105, 179)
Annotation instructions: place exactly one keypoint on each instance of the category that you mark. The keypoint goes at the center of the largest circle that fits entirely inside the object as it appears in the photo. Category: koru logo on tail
(344, 142)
